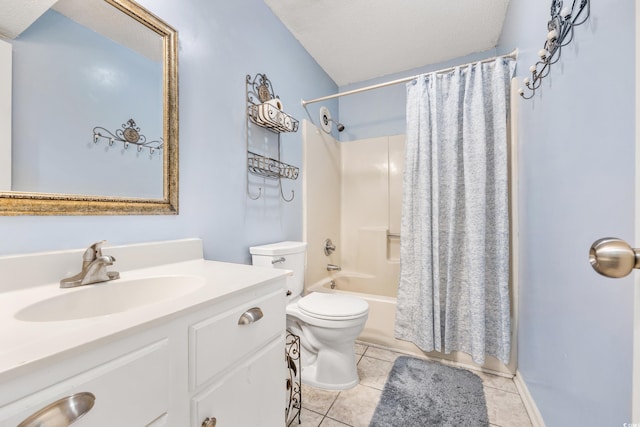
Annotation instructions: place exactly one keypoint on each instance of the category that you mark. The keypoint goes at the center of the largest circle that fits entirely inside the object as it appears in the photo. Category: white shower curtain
(454, 254)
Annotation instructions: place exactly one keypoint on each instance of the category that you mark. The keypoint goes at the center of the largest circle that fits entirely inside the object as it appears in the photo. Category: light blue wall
(576, 182)
(381, 112)
(220, 43)
(576, 141)
(576, 173)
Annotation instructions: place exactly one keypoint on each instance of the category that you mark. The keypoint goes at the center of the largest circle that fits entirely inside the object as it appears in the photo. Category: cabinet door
(132, 390)
(251, 394)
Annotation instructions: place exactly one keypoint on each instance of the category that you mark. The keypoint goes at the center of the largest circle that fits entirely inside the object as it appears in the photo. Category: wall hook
(249, 193)
(284, 198)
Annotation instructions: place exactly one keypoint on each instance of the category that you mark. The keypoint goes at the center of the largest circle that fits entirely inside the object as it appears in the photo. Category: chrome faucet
(332, 267)
(94, 268)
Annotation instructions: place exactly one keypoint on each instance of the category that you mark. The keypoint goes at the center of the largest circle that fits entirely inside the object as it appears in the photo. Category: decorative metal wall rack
(560, 33)
(264, 109)
(294, 381)
(129, 134)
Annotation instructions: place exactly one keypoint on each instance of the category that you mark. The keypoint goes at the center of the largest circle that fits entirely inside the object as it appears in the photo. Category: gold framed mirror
(33, 202)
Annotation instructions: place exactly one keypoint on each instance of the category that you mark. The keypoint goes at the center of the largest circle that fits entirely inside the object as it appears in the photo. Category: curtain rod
(513, 55)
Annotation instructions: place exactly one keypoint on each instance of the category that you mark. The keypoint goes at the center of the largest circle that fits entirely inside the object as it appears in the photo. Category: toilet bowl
(327, 324)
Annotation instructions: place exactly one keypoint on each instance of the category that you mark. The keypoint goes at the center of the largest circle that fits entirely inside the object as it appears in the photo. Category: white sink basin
(109, 297)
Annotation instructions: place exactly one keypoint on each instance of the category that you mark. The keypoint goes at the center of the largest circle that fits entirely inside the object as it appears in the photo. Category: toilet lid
(333, 306)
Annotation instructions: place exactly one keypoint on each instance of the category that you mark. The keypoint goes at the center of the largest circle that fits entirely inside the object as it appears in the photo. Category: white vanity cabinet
(237, 369)
(222, 359)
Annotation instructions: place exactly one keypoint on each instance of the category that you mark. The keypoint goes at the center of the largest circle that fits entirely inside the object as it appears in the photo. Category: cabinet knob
(209, 422)
(252, 315)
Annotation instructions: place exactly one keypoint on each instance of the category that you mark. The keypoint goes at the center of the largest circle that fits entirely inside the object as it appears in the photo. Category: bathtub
(379, 329)
(382, 308)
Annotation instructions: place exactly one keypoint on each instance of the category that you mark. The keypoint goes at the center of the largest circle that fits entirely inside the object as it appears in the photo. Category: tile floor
(355, 407)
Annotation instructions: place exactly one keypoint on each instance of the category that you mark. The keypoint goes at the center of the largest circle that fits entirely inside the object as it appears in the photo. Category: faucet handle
(329, 247)
(93, 252)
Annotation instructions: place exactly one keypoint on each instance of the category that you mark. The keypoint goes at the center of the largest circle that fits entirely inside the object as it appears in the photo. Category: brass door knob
(209, 422)
(613, 257)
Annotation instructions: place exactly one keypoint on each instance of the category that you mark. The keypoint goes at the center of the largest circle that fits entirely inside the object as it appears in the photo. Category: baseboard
(529, 403)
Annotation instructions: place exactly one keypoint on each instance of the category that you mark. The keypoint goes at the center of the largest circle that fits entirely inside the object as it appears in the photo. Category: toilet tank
(284, 255)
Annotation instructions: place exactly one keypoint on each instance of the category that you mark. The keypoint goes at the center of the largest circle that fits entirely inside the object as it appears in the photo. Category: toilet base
(331, 368)
(309, 378)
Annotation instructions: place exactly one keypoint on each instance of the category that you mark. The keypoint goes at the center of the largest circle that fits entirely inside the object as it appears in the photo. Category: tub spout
(332, 267)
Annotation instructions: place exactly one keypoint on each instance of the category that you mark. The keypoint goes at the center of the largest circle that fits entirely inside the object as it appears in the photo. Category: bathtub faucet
(332, 267)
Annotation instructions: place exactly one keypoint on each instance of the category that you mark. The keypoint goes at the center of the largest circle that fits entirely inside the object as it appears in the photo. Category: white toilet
(327, 324)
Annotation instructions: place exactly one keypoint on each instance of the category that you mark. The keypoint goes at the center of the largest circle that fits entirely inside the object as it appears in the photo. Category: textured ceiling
(356, 40)
(110, 22)
(18, 15)
(97, 15)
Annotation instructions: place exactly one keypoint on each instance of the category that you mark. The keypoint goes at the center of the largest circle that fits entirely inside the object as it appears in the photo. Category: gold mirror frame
(17, 203)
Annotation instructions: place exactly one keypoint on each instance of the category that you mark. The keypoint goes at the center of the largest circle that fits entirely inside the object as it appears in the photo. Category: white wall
(219, 44)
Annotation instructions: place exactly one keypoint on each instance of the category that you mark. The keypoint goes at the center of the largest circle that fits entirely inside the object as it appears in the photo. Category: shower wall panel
(371, 200)
(321, 174)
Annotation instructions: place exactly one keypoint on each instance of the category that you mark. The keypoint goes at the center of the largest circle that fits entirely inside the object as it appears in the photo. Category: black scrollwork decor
(294, 385)
(560, 33)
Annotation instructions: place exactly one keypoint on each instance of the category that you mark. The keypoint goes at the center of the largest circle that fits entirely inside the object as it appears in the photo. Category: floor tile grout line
(501, 389)
(332, 403)
(338, 421)
(377, 358)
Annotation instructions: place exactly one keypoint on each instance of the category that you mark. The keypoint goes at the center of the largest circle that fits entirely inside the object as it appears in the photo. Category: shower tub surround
(352, 194)
(149, 359)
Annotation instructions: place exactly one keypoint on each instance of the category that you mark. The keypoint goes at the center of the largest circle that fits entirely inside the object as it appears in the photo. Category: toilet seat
(327, 306)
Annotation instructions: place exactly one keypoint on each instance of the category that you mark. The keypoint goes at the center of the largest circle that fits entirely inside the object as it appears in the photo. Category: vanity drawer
(220, 341)
(141, 376)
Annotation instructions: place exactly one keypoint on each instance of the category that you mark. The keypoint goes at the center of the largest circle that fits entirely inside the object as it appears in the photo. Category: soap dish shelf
(270, 168)
(269, 117)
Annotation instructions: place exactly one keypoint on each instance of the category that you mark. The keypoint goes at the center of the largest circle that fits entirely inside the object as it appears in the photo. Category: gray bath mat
(428, 394)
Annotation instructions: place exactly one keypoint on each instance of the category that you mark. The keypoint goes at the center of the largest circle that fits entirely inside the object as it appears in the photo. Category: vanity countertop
(29, 344)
